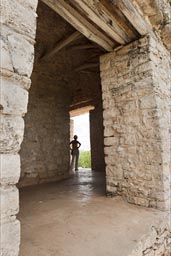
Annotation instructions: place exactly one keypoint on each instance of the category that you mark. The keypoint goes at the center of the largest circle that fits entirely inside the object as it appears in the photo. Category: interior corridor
(75, 218)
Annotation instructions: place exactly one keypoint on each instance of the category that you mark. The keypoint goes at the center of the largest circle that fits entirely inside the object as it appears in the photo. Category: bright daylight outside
(82, 130)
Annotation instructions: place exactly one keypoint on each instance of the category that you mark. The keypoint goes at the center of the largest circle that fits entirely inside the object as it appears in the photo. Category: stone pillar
(18, 24)
(96, 140)
(136, 97)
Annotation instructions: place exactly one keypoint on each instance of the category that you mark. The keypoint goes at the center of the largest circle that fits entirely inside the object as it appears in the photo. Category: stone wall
(44, 151)
(161, 64)
(18, 24)
(135, 87)
(45, 148)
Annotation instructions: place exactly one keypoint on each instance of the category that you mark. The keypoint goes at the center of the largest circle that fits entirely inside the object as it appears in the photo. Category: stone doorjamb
(136, 84)
(18, 27)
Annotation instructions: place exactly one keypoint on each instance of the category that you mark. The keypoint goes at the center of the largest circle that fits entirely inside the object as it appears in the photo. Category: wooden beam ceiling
(61, 44)
(82, 46)
(87, 66)
(64, 9)
(131, 11)
(102, 20)
(108, 23)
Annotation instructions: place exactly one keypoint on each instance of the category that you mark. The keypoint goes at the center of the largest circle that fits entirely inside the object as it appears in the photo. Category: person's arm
(70, 145)
(79, 144)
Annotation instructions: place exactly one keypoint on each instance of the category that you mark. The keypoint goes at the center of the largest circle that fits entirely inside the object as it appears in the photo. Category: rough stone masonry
(18, 26)
(136, 100)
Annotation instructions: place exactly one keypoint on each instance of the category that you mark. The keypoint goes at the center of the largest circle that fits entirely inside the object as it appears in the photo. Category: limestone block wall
(161, 63)
(45, 148)
(18, 23)
(135, 85)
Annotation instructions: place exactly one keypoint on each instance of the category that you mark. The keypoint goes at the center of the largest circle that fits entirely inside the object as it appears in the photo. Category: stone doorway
(63, 81)
(80, 126)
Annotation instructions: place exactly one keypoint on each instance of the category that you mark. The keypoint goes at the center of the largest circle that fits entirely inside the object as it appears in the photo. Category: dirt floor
(75, 218)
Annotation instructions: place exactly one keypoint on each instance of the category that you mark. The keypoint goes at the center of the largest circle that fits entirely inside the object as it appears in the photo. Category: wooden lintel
(81, 111)
(86, 66)
(133, 14)
(87, 71)
(62, 43)
(120, 27)
(80, 23)
(118, 19)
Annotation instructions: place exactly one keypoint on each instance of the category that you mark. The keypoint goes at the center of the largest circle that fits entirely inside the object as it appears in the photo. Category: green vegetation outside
(85, 159)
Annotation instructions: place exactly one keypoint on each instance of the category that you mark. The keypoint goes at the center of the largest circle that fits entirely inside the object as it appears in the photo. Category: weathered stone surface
(21, 81)
(22, 54)
(12, 129)
(166, 35)
(162, 82)
(159, 14)
(153, 9)
(10, 238)
(32, 4)
(46, 138)
(136, 110)
(9, 202)
(13, 98)
(10, 168)
(6, 62)
(18, 23)
(18, 17)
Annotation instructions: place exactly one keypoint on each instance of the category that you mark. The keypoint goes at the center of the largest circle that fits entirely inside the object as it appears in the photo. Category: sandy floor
(75, 218)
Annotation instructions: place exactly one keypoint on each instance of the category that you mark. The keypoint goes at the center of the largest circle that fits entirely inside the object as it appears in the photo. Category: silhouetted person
(74, 146)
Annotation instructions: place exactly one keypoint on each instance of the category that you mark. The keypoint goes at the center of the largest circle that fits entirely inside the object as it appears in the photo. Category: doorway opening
(61, 84)
(80, 126)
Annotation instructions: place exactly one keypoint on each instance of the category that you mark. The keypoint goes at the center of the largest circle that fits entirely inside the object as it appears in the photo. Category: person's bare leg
(76, 161)
(72, 164)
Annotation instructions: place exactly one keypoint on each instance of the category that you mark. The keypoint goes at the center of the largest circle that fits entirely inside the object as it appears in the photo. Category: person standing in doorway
(74, 146)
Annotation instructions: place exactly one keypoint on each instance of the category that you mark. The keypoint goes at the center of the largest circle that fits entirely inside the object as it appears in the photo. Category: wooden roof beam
(97, 16)
(82, 46)
(87, 66)
(120, 27)
(119, 18)
(80, 23)
(61, 44)
(133, 14)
